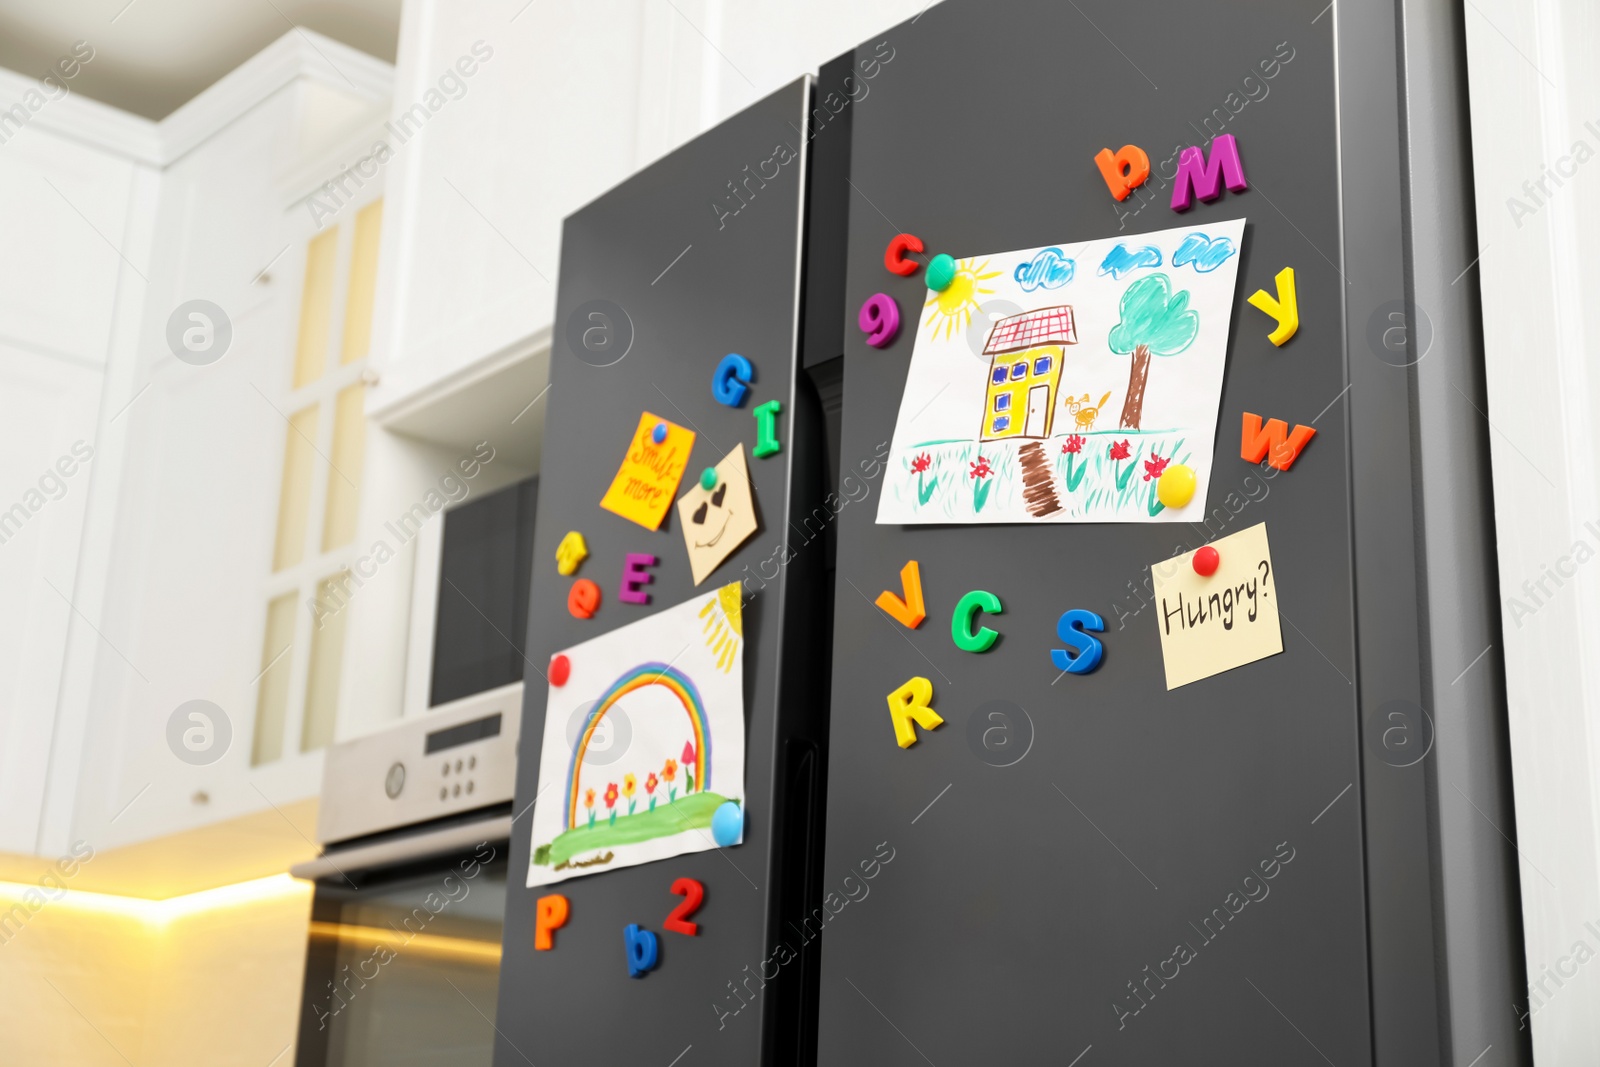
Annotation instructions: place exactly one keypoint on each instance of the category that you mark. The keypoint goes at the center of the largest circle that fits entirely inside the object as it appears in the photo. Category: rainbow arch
(661, 674)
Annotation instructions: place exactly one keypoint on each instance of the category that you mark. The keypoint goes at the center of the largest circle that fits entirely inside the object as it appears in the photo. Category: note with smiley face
(718, 520)
(642, 490)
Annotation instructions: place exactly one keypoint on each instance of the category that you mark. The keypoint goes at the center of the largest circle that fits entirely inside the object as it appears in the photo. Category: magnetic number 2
(692, 893)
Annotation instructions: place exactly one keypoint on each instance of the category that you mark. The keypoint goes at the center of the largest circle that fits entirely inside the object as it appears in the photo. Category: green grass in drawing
(1107, 474)
(692, 812)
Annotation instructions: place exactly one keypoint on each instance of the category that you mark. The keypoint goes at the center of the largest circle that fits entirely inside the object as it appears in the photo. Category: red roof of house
(1046, 326)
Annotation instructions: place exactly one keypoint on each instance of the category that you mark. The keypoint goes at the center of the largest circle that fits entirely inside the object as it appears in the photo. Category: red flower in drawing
(981, 469)
(922, 463)
(688, 752)
(611, 794)
(650, 783)
(1120, 450)
(1154, 466)
(1073, 446)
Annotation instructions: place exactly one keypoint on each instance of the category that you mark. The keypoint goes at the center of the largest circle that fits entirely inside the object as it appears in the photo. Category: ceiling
(152, 56)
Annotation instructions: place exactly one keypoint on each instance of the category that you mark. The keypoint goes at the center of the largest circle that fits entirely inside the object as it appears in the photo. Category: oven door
(404, 956)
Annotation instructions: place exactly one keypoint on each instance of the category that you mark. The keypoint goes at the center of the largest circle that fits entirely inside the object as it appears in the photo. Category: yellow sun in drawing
(724, 625)
(952, 309)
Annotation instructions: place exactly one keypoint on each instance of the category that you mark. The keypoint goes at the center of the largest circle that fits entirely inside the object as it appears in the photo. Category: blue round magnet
(727, 824)
(659, 434)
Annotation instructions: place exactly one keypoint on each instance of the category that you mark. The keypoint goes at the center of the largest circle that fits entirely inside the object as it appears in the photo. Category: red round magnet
(1206, 561)
(560, 670)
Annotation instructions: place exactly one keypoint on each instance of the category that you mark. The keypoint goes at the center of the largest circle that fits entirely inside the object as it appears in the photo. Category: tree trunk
(1038, 480)
(1133, 406)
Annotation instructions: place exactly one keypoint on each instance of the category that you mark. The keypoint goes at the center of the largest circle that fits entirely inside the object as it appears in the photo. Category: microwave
(469, 598)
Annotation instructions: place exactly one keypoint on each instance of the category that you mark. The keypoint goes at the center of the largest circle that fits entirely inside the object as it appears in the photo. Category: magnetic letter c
(961, 631)
(894, 257)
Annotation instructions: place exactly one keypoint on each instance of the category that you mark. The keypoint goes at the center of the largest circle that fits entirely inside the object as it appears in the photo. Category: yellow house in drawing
(1024, 372)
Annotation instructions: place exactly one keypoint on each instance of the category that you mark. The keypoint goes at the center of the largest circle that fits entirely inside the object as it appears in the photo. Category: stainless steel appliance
(404, 956)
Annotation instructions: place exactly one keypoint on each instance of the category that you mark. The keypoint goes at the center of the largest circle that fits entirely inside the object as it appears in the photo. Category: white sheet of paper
(643, 742)
(1056, 438)
(1211, 625)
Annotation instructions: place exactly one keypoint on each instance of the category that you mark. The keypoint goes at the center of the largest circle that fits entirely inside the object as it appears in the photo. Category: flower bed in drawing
(1042, 392)
(1109, 476)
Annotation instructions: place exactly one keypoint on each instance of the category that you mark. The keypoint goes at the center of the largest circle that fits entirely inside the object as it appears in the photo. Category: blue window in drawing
(1019, 371)
(1001, 422)
(1041, 365)
(1002, 402)
(999, 375)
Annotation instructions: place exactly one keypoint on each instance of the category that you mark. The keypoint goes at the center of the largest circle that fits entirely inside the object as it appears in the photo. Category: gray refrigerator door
(695, 257)
(1091, 869)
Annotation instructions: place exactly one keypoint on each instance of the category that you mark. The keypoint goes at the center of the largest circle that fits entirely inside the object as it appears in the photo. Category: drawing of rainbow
(661, 674)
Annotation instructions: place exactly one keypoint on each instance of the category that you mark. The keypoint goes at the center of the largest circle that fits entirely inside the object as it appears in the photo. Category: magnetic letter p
(549, 915)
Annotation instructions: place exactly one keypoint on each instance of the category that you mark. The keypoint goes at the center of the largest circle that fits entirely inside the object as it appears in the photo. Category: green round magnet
(708, 479)
(940, 272)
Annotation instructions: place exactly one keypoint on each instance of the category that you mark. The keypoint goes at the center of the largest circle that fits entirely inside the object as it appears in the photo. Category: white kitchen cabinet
(194, 565)
(70, 276)
(163, 541)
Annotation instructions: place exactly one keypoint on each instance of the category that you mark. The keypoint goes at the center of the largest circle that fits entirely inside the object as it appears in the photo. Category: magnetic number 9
(880, 319)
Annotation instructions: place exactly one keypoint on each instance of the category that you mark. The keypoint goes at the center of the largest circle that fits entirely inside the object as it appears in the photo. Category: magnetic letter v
(910, 611)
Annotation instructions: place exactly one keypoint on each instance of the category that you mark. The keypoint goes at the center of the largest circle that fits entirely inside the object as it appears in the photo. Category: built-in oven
(404, 955)
(403, 962)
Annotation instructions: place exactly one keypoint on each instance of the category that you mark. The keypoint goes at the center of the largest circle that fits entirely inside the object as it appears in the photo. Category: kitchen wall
(1535, 96)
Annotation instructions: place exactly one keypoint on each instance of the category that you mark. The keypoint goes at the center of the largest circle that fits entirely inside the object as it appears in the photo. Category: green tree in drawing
(1154, 320)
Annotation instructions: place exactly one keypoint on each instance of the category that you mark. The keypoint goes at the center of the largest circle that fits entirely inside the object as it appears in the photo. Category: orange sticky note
(647, 481)
(910, 611)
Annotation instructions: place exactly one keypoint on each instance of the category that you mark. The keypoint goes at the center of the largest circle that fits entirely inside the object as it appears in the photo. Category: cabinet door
(47, 423)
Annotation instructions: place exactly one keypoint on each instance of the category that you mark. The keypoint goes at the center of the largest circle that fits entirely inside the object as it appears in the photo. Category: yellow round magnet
(1175, 487)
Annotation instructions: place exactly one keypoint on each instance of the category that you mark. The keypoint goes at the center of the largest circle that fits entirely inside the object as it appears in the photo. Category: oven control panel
(457, 757)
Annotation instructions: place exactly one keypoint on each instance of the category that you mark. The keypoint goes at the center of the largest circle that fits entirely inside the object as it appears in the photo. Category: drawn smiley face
(703, 512)
(718, 520)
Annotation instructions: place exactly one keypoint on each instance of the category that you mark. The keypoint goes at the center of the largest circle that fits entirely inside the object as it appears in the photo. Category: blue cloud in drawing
(1121, 259)
(1050, 269)
(1205, 254)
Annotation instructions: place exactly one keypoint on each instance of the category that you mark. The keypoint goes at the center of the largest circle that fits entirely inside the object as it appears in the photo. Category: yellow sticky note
(1213, 624)
(647, 481)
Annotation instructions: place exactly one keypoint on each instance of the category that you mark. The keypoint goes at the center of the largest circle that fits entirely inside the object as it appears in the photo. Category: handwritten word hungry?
(1217, 607)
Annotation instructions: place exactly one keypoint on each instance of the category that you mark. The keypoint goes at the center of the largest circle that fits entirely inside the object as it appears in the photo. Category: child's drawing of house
(1024, 372)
